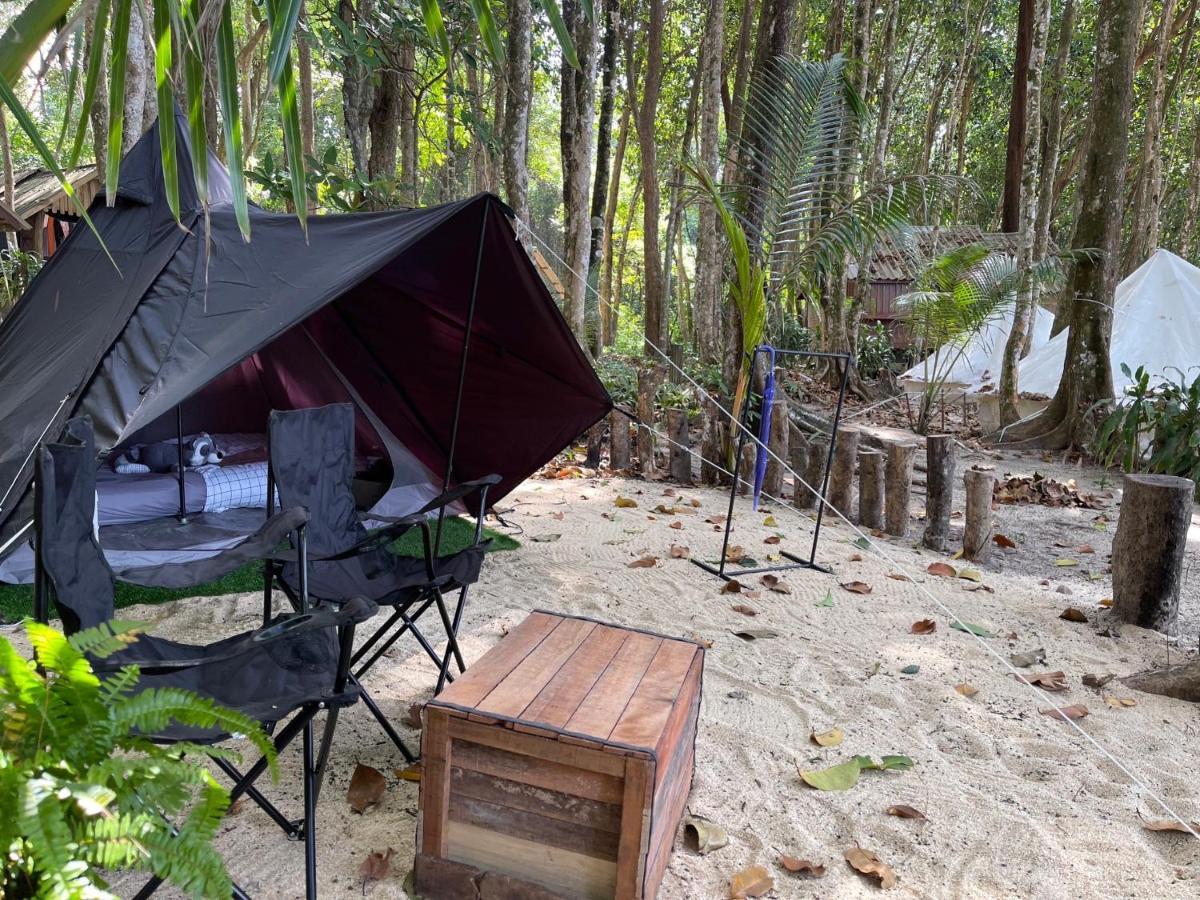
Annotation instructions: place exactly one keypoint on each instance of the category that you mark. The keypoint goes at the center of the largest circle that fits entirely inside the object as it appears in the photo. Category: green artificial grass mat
(16, 600)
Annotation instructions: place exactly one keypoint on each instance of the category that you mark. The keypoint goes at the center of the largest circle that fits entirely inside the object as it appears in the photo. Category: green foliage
(793, 335)
(332, 186)
(82, 790)
(619, 375)
(874, 352)
(1155, 429)
(17, 268)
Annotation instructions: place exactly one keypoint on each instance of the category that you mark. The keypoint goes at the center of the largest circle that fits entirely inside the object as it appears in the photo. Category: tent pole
(462, 379)
(179, 449)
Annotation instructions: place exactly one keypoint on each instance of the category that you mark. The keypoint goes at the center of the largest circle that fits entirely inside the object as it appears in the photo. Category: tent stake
(179, 449)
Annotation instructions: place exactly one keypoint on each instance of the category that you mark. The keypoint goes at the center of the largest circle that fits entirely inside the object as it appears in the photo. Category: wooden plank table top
(571, 677)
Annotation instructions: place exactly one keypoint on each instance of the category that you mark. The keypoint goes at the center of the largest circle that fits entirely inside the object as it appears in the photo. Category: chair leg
(148, 888)
(310, 815)
(241, 786)
(383, 722)
(451, 630)
(331, 718)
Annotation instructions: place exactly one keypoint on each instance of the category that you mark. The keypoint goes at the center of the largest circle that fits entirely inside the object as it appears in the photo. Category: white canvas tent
(978, 365)
(1156, 324)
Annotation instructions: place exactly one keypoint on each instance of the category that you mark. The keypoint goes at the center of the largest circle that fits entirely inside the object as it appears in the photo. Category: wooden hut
(40, 214)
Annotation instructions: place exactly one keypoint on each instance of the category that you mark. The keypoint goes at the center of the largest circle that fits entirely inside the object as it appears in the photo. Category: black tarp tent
(433, 322)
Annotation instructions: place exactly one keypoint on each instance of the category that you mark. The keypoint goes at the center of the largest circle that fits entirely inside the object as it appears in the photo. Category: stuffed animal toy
(198, 450)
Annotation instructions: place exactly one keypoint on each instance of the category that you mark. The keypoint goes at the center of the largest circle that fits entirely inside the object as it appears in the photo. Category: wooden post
(1148, 548)
(818, 453)
(977, 536)
(841, 479)
(799, 450)
(870, 488)
(939, 490)
(778, 444)
(712, 444)
(618, 440)
(595, 442)
(746, 469)
(681, 459)
(898, 488)
(649, 379)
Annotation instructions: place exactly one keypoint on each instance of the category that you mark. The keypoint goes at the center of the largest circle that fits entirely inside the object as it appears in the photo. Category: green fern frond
(107, 638)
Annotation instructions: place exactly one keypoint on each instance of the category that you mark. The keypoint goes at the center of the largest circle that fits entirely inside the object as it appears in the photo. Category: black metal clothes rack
(721, 570)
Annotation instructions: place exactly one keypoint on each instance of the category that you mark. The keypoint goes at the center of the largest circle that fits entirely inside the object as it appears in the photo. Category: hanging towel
(764, 424)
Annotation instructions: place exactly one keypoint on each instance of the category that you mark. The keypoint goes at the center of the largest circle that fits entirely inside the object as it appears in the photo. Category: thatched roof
(900, 257)
(38, 190)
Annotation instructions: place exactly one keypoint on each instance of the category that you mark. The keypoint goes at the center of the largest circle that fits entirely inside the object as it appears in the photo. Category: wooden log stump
(798, 451)
(712, 445)
(898, 488)
(977, 534)
(746, 470)
(618, 440)
(649, 380)
(595, 443)
(681, 459)
(939, 490)
(814, 474)
(778, 445)
(841, 478)
(1148, 548)
(870, 488)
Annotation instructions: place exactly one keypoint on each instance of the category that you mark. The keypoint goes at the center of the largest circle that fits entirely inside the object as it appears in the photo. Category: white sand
(1018, 805)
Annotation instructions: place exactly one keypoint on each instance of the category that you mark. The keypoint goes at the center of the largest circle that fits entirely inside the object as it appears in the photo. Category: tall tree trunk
(1188, 238)
(1087, 375)
(6, 160)
(1010, 219)
(601, 227)
(99, 117)
(735, 109)
(647, 111)
(618, 282)
(384, 124)
(139, 79)
(577, 140)
(518, 100)
(451, 186)
(1026, 290)
(1054, 123)
(675, 206)
(410, 173)
(481, 169)
(357, 92)
(607, 301)
(1143, 236)
(709, 255)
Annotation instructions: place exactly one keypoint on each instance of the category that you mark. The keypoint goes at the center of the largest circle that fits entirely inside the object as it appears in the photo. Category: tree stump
(1147, 554)
(681, 458)
(649, 379)
(977, 535)
(746, 469)
(798, 460)
(595, 443)
(898, 488)
(814, 474)
(870, 488)
(712, 444)
(939, 490)
(618, 440)
(841, 478)
(778, 445)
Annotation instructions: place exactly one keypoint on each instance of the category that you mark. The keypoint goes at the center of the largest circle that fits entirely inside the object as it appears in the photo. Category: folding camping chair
(292, 667)
(311, 462)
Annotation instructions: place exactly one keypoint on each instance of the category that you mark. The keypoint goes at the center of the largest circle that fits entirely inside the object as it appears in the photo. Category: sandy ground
(1018, 805)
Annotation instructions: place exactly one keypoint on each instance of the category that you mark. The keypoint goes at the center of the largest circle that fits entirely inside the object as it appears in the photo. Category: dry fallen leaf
(772, 539)
(966, 690)
(1073, 614)
(1075, 711)
(896, 576)
(752, 881)
(411, 772)
(702, 836)
(1030, 658)
(772, 583)
(678, 551)
(745, 610)
(1097, 681)
(942, 570)
(769, 522)
(856, 557)
(625, 502)
(1106, 602)
(903, 811)
(412, 718)
(1004, 541)
(646, 562)
(1085, 548)
(376, 866)
(715, 520)
(366, 788)
(1047, 681)
(665, 510)
(831, 738)
(1066, 561)
(802, 866)
(1168, 825)
(867, 863)
(971, 575)
(924, 626)
(677, 525)
(1120, 702)
(857, 587)
(732, 586)
(702, 641)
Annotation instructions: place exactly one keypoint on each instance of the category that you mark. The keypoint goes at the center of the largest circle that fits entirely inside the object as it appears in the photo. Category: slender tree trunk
(139, 79)
(1010, 220)
(357, 93)
(601, 226)
(675, 207)
(647, 110)
(1026, 291)
(932, 121)
(304, 59)
(617, 289)
(1191, 216)
(518, 101)
(410, 173)
(384, 124)
(6, 159)
(99, 117)
(1087, 377)
(1054, 123)
(451, 185)
(736, 107)
(607, 301)
(709, 256)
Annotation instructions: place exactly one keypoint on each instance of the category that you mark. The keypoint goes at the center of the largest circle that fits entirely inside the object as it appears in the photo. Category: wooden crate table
(559, 764)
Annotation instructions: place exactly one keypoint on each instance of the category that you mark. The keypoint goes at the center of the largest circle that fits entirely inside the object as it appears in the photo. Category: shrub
(82, 789)
(874, 352)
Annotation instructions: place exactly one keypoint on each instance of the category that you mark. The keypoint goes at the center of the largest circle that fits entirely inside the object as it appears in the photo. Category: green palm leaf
(488, 31)
(283, 27)
(290, 114)
(166, 101)
(99, 33)
(431, 12)
(231, 118)
(26, 32)
(561, 31)
(116, 97)
(193, 81)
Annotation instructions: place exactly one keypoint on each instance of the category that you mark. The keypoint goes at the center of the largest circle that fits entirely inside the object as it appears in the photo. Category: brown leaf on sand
(1085, 548)
(702, 836)
(1073, 614)
(942, 570)
(904, 811)
(411, 772)
(925, 626)
(831, 738)
(745, 610)
(857, 587)
(772, 539)
(376, 866)
(1003, 540)
(1047, 681)
(702, 641)
(967, 690)
(715, 520)
(1075, 711)
(735, 554)
(752, 881)
(678, 551)
(412, 718)
(646, 562)
(1168, 825)
(856, 557)
(625, 503)
(867, 863)
(366, 788)
(773, 583)
(896, 576)
(802, 866)
(732, 586)
(677, 525)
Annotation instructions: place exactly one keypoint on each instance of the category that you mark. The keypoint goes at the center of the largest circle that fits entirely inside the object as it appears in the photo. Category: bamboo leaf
(99, 33)
(487, 30)
(72, 84)
(283, 27)
(116, 97)
(231, 117)
(290, 116)
(30, 128)
(26, 33)
(166, 101)
(561, 31)
(431, 11)
(193, 80)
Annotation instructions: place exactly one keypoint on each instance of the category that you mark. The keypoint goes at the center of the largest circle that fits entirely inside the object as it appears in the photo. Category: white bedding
(228, 487)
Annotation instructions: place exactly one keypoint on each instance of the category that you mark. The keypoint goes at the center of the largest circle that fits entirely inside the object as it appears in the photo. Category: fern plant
(83, 790)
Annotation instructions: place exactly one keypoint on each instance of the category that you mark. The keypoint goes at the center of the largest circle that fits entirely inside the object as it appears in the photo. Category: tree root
(1181, 682)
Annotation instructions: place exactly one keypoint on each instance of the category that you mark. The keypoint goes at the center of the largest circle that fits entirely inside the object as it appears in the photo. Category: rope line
(876, 548)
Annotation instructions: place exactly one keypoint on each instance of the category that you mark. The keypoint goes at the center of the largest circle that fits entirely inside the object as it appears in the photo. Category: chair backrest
(68, 555)
(312, 463)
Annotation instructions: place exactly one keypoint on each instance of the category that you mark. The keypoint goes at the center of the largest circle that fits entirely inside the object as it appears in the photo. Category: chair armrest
(457, 493)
